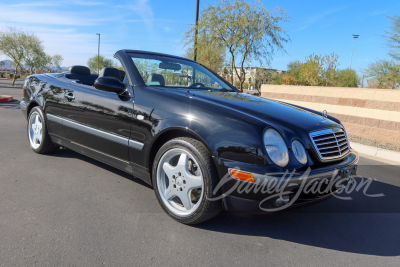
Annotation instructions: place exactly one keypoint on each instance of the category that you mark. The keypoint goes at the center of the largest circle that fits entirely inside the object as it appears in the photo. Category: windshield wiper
(227, 90)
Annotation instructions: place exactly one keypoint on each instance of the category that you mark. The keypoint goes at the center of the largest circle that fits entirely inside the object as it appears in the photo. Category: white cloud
(86, 3)
(143, 9)
(312, 19)
(58, 3)
(75, 47)
(21, 15)
(53, 13)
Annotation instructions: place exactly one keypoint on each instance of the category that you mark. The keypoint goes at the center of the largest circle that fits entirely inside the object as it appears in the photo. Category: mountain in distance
(8, 65)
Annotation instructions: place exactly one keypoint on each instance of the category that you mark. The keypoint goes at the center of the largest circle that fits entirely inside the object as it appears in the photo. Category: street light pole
(196, 31)
(355, 36)
(98, 54)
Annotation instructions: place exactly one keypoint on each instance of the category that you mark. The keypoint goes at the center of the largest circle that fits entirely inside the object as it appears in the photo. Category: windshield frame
(203, 68)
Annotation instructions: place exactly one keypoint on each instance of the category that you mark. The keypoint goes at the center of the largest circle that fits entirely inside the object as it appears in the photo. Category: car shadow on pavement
(67, 153)
(13, 104)
(363, 225)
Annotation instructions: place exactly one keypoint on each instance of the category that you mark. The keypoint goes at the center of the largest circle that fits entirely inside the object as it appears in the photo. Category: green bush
(347, 78)
(1, 74)
(245, 84)
(276, 79)
(16, 77)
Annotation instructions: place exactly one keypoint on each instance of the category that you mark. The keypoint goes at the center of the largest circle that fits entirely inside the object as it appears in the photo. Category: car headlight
(276, 147)
(299, 152)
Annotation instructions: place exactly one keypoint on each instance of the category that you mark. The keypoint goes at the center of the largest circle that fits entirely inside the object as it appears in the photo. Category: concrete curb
(376, 152)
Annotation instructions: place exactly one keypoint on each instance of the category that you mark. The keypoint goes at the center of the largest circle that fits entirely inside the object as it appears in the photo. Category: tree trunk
(242, 78)
(232, 66)
(15, 75)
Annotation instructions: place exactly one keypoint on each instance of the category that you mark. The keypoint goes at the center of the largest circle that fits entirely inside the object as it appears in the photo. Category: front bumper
(298, 189)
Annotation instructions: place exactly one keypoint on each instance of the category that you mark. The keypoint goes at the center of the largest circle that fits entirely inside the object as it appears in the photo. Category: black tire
(46, 145)
(207, 209)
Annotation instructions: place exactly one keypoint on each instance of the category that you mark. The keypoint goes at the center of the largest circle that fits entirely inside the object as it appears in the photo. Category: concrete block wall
(368, 113)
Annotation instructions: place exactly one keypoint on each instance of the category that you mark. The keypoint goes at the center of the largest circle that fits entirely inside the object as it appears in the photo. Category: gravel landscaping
(374, 143)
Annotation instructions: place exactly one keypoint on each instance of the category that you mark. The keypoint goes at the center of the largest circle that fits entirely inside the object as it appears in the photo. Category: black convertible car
(202, 144)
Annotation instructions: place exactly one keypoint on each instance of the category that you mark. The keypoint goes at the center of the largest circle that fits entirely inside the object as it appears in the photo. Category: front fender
(227, 134)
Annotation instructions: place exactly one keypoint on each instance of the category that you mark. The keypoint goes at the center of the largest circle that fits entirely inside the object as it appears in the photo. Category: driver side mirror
(109, 84)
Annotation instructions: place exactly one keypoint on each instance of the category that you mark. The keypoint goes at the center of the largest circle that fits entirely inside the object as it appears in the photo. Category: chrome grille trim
(330, 144)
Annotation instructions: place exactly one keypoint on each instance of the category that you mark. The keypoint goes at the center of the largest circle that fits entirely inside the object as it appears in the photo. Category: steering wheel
(197, 85)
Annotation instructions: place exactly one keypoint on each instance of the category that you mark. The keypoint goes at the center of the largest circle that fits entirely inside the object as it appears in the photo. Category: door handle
(69, 96)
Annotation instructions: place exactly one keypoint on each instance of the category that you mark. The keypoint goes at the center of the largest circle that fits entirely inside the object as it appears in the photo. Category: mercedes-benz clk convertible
(202, 144)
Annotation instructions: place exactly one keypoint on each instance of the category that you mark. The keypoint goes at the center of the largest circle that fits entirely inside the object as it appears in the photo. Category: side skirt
(129, 167)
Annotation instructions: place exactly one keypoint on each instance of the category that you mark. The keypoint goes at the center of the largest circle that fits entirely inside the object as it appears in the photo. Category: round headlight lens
(276, 147)
(299, 152)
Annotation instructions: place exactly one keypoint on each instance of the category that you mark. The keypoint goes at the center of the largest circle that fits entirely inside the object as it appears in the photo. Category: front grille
(330, 144)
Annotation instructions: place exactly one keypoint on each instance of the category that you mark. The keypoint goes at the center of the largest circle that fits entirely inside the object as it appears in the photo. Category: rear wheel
(38, 136)
(184, 178)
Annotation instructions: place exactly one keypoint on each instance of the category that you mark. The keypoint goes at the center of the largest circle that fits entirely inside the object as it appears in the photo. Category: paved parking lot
(69, 210)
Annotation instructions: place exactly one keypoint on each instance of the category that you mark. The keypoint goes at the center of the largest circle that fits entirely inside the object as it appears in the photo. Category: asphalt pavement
(66, 209)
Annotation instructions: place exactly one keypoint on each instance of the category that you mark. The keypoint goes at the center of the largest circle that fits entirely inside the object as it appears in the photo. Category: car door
(98, 123)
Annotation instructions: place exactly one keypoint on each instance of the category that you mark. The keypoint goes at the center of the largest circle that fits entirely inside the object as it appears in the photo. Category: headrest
(156, 79)
(82, 70)
(122, 75)
(109, 72)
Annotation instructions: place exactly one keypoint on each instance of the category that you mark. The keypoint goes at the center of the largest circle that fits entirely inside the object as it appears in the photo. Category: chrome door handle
(69, 96)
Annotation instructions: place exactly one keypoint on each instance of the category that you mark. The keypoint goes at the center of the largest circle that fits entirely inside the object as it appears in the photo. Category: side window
(147, 67)
(206, 80)
(172, 72)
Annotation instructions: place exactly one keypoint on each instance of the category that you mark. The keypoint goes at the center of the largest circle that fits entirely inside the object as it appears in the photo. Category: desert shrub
(287, 80)
(347, 78)
(16, 76)
(276, 79)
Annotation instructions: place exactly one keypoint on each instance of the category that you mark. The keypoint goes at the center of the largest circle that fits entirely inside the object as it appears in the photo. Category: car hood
(276, 113)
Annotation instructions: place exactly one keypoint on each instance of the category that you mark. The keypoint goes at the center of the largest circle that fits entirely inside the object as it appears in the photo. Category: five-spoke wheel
(35, 128)
(179, 181)
(184, 178)
(38, 136)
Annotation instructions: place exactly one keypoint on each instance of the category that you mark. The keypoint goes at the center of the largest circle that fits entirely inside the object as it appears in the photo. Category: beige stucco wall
(369, 113)
(344, 92)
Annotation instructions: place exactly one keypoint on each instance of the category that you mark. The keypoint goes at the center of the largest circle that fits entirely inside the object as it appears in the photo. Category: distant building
(251, 73)
(7, 70)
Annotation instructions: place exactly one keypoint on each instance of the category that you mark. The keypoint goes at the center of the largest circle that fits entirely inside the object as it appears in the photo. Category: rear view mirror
(169, 66)
(109, 84)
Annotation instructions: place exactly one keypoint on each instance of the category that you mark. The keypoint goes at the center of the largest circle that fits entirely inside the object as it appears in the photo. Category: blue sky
(69, 27)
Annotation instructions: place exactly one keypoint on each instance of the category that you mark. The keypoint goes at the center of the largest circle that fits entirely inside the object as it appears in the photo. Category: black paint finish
(230, 124)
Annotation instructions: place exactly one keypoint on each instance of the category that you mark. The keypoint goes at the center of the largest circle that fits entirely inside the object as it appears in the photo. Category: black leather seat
(156, 78)
(110, 72)
(81, 73)
(122, 75)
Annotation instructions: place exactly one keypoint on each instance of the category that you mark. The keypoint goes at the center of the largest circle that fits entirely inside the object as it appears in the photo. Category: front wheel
(184, 178)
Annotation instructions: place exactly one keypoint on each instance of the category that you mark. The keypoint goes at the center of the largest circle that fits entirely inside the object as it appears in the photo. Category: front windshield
(176, 73)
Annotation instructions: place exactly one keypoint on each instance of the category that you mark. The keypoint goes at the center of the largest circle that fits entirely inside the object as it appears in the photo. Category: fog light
(282, 201)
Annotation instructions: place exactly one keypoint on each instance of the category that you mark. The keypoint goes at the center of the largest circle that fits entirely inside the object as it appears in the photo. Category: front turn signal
(243, 176)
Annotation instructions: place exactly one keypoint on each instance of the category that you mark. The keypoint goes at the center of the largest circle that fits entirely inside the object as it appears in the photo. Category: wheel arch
(169, 134)
(31, 105)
